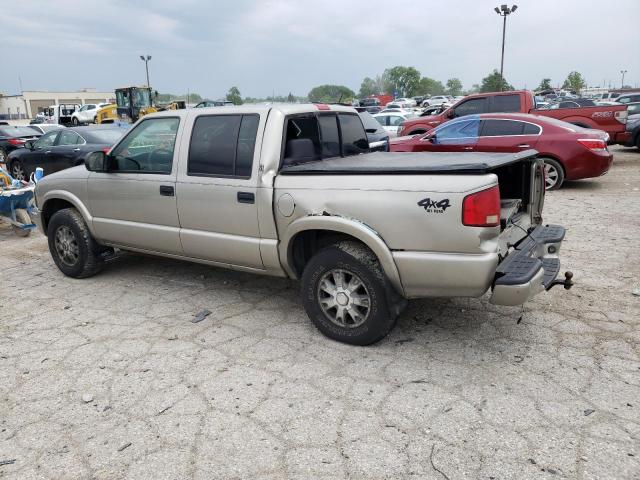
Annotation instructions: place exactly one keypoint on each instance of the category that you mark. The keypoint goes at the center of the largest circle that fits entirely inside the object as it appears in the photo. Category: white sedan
(392, 121)
(436, 100)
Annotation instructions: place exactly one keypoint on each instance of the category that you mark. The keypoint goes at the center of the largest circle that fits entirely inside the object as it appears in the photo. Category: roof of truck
(285, 108)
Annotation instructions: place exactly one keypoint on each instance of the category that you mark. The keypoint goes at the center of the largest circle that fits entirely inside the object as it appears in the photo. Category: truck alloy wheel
(344, 292)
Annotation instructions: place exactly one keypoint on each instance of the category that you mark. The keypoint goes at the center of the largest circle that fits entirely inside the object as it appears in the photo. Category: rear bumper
(621, 138)
(530, 268)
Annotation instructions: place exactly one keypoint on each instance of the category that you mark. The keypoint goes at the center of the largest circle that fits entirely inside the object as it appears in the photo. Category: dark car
(60, 149)
(569, 152)
(633, 125)
(376, 134)
(12, 138)
(371, 105)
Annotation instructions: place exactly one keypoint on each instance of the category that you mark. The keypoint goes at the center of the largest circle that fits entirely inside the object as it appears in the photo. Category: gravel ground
(108, 378)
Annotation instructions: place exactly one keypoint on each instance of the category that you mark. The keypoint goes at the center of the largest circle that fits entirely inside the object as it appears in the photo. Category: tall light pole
(504, 11)
(146, 65)
(622, 83)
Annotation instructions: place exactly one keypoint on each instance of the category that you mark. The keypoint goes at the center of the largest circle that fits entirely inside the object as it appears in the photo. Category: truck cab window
(302, 141)
(330, 135)
(223, 145)
(470, 107)
(505, 103)
(148, 148)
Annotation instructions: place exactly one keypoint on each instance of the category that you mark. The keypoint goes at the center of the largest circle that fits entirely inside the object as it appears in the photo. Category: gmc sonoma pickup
(292, 191)
(609, 118)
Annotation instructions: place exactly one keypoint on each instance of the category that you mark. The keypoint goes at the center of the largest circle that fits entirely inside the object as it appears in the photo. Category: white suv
(86, 113)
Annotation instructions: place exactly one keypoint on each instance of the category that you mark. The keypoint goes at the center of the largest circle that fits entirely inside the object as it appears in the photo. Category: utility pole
(504, 11)
(146, 59)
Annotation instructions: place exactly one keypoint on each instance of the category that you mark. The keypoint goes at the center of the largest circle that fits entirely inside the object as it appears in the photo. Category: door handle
(48, 151)
(76, 149)
(523, 145)
(246, 197)
(166, 190)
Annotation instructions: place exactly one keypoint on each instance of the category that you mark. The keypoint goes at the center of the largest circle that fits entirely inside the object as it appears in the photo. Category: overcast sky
(293, 45)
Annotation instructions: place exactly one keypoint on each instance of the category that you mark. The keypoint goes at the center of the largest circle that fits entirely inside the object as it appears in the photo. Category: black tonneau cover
(401, 163)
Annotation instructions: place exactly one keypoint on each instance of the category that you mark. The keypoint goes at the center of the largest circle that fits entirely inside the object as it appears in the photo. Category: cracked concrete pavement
(107, 378)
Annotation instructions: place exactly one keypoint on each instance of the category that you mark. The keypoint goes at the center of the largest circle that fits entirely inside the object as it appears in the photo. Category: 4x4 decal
(434, 206)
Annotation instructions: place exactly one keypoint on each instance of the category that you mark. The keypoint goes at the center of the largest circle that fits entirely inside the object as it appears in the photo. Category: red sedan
(569, 152)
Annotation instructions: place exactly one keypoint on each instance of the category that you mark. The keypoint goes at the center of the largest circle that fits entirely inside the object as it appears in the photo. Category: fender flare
(73, 200)
(333, 223)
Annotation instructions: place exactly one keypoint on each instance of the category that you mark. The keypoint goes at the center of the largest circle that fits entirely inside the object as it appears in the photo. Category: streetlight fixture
(622, 83)
(504, 12)
(146, 65)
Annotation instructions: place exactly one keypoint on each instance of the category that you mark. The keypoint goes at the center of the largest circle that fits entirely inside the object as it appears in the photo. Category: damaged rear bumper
(530, 268)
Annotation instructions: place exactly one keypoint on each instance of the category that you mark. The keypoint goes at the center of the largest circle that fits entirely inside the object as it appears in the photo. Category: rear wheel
(72, 247)
(75, 121)
(344, 292)
(553, 173)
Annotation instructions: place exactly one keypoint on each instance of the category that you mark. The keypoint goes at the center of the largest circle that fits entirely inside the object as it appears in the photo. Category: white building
(31, 102)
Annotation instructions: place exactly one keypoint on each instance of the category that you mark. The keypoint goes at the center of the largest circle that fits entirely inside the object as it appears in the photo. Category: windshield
(141, 98)
(107, 136)
(368, 121)
(18, 132)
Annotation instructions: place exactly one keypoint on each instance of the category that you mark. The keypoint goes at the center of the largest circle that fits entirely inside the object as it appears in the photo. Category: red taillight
(15, 141)
(482, 209)
(593, 144)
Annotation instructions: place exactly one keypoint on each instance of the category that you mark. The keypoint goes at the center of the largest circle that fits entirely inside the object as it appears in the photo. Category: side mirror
(451, 113)
(96, 162)
(28, 144)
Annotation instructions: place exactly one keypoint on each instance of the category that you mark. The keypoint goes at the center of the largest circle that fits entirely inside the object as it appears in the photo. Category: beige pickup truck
(293, 191)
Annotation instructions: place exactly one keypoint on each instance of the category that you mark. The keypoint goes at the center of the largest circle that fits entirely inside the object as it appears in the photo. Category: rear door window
(222, 145)
(354, 138)
(471, 107)
(501, 128)
(455, 132)
(505, 103)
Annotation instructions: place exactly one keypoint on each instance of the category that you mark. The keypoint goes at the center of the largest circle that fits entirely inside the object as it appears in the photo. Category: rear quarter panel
(388, 205)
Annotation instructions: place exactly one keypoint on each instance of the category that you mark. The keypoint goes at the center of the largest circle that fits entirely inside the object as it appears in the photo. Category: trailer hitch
(567, 283)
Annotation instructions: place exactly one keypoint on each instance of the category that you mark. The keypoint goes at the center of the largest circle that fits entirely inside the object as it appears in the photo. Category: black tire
(552, 165)
(353, 259)
(75, 121)
(17, 170)
(88, 261)
(417, 132)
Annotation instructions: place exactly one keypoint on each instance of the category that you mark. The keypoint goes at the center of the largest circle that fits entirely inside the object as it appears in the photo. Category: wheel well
(417, 132)
(51, 207)
(307, 243)
(552, 157)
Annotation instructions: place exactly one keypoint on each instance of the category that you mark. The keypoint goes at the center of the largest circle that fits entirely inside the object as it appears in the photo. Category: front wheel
(344, 292)
(73, 249)
(553, 174)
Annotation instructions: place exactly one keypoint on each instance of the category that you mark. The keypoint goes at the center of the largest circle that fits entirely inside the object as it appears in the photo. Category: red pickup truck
(609, 118)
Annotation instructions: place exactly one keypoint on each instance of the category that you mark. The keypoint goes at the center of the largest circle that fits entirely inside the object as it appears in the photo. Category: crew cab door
(502, 135)
(66, 149)
(134, 203)
(217, 188)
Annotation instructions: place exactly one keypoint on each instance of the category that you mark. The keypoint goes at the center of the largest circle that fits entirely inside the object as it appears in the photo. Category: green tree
(475, 88)
(454, 87)
(331, 93)
(291, 98)
(429, 86)
(494, 82)
(545, 84)
(574, 82)
(233, 95)
(404, 80)
(368, 87)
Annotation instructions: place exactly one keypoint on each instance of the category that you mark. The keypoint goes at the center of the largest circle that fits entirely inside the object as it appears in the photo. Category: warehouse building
(31, 102)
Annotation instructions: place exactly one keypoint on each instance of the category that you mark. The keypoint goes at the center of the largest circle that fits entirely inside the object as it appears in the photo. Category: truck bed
(403, 163)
